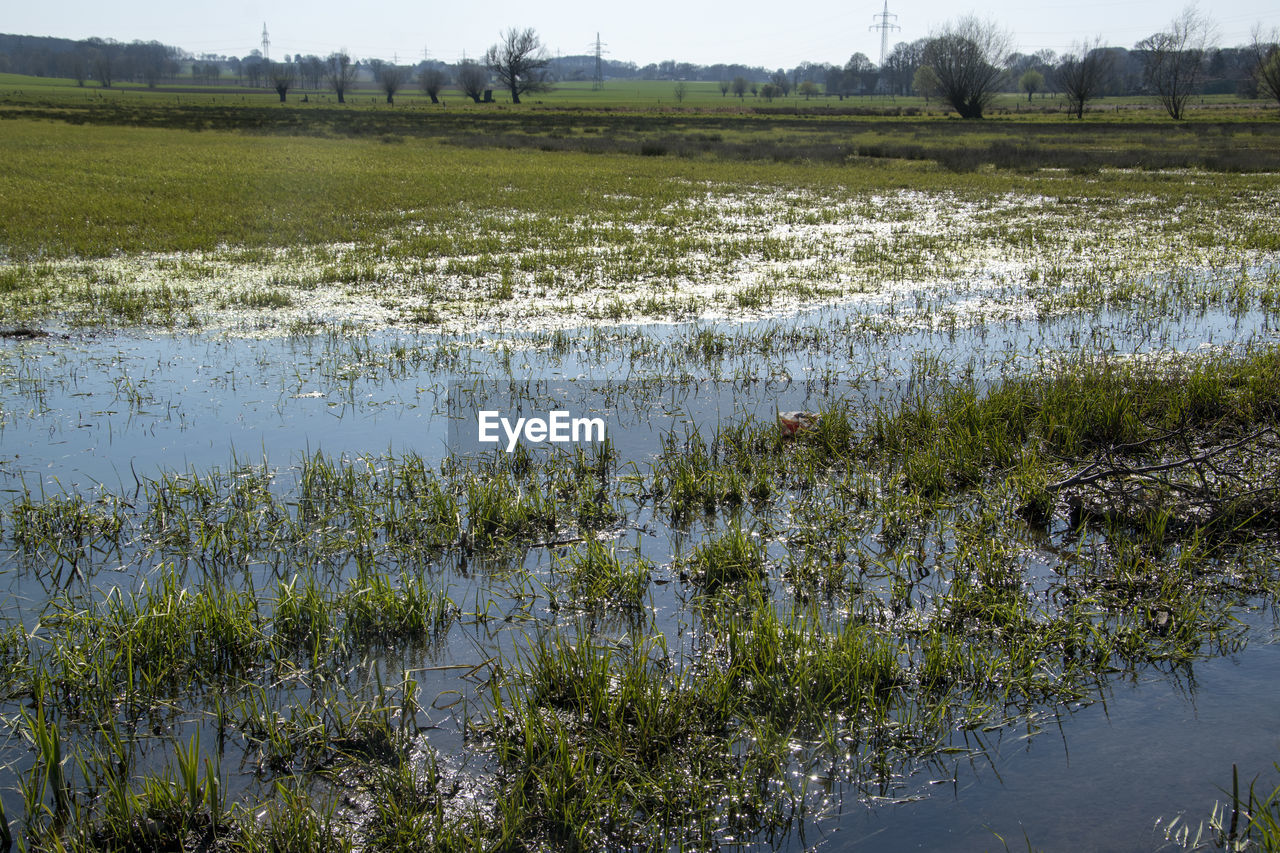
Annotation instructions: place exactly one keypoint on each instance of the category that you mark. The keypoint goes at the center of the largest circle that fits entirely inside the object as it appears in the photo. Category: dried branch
(1085, 477)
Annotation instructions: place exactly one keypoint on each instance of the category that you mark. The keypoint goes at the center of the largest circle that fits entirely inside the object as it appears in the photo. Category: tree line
(969, 61)
(964, 64)
(103, 61)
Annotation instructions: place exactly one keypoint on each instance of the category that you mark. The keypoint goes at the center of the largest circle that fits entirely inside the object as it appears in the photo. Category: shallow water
(85, 412)
(1100, 777)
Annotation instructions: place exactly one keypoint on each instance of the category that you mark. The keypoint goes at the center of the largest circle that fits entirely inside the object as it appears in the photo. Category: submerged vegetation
(816, 613)
(1039, 470)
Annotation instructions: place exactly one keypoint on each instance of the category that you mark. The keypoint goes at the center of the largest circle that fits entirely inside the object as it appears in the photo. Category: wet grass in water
(551, 238)
(731, 558)
(813, 618)
(265, 657)
(594, 575)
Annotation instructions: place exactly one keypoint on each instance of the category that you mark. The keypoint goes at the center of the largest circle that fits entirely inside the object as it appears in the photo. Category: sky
(752, 32)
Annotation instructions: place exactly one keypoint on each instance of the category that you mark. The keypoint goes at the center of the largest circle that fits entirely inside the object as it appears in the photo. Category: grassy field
(1044, 464)
(616, 94)
(115, 215)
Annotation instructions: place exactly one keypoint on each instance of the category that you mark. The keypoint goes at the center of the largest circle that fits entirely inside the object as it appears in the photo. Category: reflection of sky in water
(636, 416)
(1095, 778)
(97, 409)
(100, 409)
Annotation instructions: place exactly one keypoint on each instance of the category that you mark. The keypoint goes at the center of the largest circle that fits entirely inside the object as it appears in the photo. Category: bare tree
(519, 62)
(390, 78)
(150, 59)
(473, 79)
(901, 64)
(724, 87)
(252, 68)
(103, 63)
(282, 75)
(968, 57)
(1173, 61)
(340, 71)
(1083, 73)
(432, 80)
(80, 65)
(680, 90)
(208, 72)
(311, 70)
(740, 86)
(1266, 62)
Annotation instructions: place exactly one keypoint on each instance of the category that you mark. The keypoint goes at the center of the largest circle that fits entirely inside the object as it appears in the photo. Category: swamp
(1012, 585)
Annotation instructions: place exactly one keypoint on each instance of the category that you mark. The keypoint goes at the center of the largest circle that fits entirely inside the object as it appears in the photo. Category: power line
(597, 79)
(884, 26)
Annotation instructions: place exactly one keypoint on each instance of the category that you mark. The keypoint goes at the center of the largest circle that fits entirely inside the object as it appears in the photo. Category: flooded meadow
(1010, 584)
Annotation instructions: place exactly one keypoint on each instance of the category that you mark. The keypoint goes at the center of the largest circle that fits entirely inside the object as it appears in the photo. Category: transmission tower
(266, 41)
(884, 26)
(597, 80)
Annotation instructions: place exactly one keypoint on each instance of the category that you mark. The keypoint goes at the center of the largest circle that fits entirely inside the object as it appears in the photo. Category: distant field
(138, 182)
(616, 94)
(643, 117)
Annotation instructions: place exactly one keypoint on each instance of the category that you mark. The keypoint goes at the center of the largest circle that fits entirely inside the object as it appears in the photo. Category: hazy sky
(755, 32)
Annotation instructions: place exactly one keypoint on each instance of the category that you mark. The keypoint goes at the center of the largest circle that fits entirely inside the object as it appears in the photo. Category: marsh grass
(595, 741)
(595, 576)
(246, 237)
(65, 529)
(293, 822)
(731, 558)
(946, 557)
(412, 809)
(599, 746)
(1250, 820)
(179, 806)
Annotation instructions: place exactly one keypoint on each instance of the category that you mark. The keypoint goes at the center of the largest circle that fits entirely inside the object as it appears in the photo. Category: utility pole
(884, 26)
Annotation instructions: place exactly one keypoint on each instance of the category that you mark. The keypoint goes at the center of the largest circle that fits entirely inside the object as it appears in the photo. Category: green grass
(557, 215)
(826, 655)
(853, 602)
(595, 576)
(729, 559)
(616, 94)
